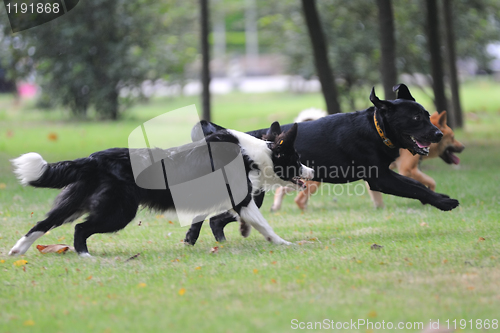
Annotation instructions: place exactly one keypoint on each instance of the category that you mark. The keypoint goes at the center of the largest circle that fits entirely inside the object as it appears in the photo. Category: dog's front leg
(251, 214)
(392, 183)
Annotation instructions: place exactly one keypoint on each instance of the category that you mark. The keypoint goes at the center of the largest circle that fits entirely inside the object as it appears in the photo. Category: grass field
(433, 265)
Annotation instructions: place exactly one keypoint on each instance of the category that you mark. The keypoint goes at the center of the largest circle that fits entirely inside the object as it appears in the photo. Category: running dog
(103, 184)
(408, 164)
(347, 147)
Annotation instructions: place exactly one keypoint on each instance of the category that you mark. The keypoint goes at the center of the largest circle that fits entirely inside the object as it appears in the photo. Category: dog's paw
(188, 241)
(446, 204)
(245, 229)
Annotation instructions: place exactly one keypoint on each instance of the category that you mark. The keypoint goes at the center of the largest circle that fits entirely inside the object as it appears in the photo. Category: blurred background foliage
(98, 56)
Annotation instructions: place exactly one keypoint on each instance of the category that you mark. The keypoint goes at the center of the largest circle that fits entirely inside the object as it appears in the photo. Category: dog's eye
(416, 117)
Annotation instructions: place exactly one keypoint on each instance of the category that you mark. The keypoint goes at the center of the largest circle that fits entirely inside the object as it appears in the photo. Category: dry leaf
(214, 250)
(141, 285)
(29, 323)
(255, 270)
(482, 239)
(376, 246)
(182, 291)
(20, 262)
(2, 186)
(89, 277)
(198, 268)
(54, 248)
(52, 136)
(423, 224)
(273, 280)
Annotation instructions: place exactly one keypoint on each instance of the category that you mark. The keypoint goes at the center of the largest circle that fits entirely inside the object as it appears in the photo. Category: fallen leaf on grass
(376, 246)
(20, 262)
(141, 285)
(29, 323)
(52, 136)
(423, 224)
(482, 239)
(182, 291)
(55, 248)
(3, 186)
(214, 250)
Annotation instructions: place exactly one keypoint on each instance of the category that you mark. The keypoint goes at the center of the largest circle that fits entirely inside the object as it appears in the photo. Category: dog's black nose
(438, 134)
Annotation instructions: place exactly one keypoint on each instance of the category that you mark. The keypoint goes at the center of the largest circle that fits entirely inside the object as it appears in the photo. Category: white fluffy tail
(29, 167)
(310, 114)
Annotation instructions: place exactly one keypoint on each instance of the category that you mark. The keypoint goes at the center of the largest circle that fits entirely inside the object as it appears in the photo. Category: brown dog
(406, 163)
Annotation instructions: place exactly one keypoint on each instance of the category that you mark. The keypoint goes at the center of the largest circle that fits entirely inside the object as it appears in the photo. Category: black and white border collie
(103, 186)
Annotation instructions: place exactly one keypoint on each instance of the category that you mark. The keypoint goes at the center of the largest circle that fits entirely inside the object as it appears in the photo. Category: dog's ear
(442, 119)
(403, 92)
(272, 132)
(379, 104)
(285, 141)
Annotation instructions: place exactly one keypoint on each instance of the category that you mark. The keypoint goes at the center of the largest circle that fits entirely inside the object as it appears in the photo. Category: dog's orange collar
(385, 139)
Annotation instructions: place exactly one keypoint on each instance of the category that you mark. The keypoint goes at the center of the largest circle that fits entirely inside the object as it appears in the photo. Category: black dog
(348, 147)
(103, 184)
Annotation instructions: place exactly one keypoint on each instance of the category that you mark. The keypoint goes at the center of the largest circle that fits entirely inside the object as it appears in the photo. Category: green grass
(432, 264)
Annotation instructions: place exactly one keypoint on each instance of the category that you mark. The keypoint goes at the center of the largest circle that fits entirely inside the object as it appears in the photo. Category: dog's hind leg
(251, 214)
(68, 207)
(194, 231)
(278, 198)
(303, 196)
(376, 196)
(109, 216)
(218, 223)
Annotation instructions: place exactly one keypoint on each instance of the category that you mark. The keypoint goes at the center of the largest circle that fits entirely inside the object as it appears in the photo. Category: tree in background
(87, 57)
(320, 53)
(388, 69)
(436, 60)
(455, 118)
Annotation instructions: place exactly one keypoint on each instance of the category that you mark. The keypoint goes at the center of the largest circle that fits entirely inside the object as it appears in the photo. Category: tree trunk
(434, 42)
(320, 52)
(388, 46)
(455, 117)
(205, 63)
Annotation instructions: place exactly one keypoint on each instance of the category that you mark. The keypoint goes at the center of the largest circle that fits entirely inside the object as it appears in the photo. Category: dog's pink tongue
(423, 144)
(454, 158)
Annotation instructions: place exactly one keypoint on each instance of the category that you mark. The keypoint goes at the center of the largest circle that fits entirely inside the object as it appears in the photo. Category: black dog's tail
(32, 169)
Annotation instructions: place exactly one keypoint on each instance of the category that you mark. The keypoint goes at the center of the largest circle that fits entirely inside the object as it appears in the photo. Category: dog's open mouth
(420, 147)
(449, 157)
(299, 182)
